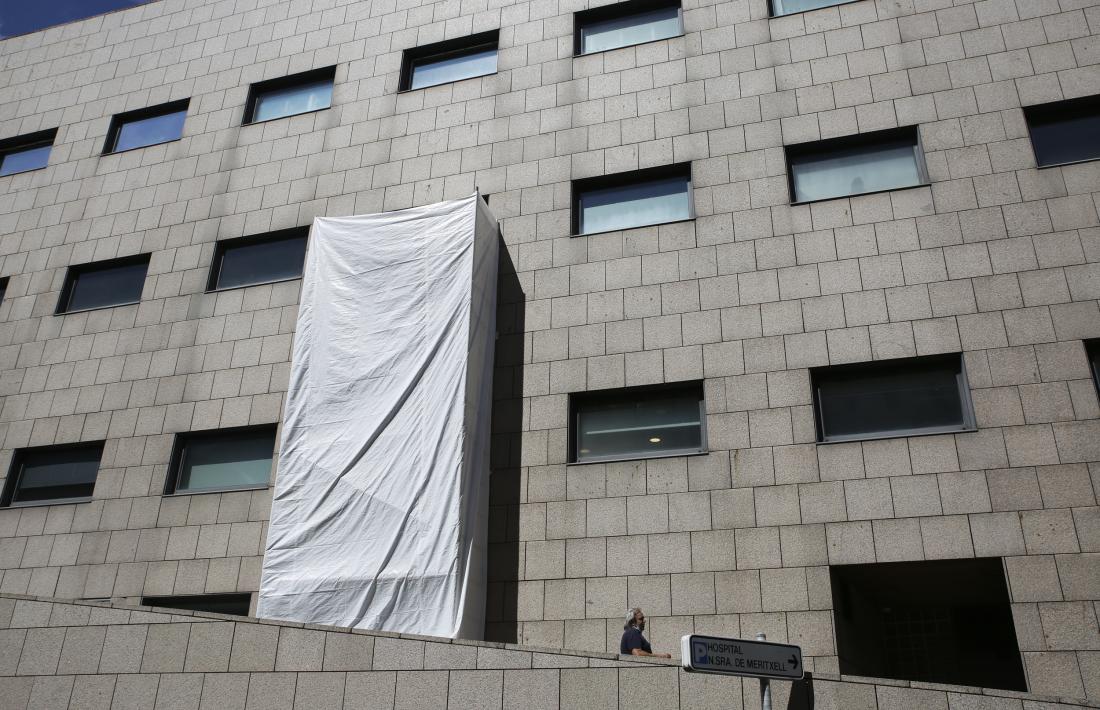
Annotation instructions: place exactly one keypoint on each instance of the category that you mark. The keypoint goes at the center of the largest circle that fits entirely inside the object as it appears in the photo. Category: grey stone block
(300, 650)
(476, 689)
(417, 690)
(348, 652)
(271, 690)
(254, 648)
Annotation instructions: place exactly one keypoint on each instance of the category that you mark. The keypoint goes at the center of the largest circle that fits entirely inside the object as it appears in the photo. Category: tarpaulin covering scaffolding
(380, 507)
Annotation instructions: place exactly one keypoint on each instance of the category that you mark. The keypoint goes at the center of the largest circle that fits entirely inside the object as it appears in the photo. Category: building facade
(864, 239)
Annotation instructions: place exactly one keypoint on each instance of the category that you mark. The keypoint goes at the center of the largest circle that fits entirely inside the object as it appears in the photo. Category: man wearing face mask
(633, 643)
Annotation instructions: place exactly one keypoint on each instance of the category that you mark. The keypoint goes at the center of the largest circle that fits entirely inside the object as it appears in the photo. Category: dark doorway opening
(944, 621)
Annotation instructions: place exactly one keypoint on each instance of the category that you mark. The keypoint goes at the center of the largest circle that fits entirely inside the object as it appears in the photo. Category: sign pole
(765, 684)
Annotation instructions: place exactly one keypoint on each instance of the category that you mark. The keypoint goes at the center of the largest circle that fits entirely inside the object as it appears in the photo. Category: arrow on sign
(793, 660)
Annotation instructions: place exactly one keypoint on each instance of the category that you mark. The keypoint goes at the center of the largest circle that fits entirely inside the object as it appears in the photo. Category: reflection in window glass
(638, 424)
(868, 164)
(634, 204)
(787, 7)
(432, 71)
(259, 259)
(291, 100)
(636, 28)
(221, 460)
(892, 398)
(1065, 131)
(140, 132)
(114, 283)
(20, 161)
(54, 474)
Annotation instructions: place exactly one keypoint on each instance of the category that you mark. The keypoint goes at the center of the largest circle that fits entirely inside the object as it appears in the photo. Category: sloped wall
(56, 654)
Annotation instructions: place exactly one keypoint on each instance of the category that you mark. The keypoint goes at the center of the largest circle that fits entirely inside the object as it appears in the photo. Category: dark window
(856, 165)
(448, 61)
(23, 153)
(215, 603)
(258, 259)
(1092, 347)
(790, 7)
(625, 24)
(923, 395)
(1065, 131)
(640, 422)
(4, 287)
(639, 198)
(221, 460)
(290, 95)
(52, 474)
(146, 126)
(103, 284)
(944, 621)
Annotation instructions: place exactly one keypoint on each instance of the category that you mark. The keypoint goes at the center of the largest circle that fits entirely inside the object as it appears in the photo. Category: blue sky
(21, 16)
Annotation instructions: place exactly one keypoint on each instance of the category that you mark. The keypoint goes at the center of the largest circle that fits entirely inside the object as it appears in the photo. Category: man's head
(635, 617)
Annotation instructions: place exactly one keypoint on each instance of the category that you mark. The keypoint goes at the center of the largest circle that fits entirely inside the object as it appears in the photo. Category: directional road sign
(729, 656)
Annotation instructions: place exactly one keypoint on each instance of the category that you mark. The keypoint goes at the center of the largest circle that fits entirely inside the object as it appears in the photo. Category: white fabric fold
(379, 514)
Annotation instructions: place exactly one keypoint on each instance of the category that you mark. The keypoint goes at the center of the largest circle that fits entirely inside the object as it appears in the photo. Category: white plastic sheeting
(380, 507)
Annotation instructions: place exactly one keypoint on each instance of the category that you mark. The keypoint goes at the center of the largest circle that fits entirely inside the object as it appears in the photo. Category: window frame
(257, 89)
(773, 14)
(1040, 112)
(121, 119)
(27, 141)
(577, 399)
(221, 245)
(75, 270)
(149, 601)
(179, 452)
(598, 182)
(624, 9)
(857, 140)
(850, 371)
(446, 49)
(15, 475)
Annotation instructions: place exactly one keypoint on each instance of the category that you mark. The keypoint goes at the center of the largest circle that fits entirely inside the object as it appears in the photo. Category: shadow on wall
(802, 694)
(505, 552)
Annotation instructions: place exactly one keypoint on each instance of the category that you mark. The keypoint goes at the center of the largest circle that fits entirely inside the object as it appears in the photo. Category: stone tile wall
(993, 258)
(58, 655)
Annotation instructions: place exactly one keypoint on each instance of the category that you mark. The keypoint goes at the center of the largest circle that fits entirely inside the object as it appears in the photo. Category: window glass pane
(109, 286)
(290, 100)
(255, 262)
(430, 72)
(57, 474)
(645, 424)
(214, 603)
(634, 205)
(910, 397)
(1093, 349)
(19, 161)
(1065, 134)
(224, 461)
(854, 171)
(786, 7)
(633, 29)
(149, 131)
